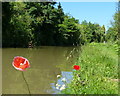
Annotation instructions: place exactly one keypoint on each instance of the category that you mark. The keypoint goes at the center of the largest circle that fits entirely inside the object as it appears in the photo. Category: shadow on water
(46, 64)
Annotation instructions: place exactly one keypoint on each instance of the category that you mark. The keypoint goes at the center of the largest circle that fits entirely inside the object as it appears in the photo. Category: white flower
(63, 80)
(58, 76)
(62, 88)
(63, 85)
(67, 58)
(57, 85)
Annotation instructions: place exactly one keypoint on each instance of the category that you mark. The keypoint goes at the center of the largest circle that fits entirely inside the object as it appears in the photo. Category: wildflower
(63, 80)
(62, 88)
(57, 85)
(63, 85)
(20, 63)
(76, 67)
(58, 76)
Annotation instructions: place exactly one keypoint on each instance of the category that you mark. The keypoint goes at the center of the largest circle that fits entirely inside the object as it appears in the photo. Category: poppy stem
(26, 83)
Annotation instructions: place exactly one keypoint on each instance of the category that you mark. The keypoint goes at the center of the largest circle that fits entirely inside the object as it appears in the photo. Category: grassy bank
(99, 70)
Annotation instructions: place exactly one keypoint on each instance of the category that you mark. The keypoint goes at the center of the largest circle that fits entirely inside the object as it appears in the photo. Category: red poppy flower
(76, 67)
(20, 63)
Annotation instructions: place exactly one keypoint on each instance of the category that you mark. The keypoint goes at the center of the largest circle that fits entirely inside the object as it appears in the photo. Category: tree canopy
(45, 24)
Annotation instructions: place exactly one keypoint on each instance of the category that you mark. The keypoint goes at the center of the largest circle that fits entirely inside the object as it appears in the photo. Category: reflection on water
(59, 83)
(46, 64)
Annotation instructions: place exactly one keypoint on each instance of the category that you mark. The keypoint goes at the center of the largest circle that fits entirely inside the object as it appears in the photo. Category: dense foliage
(112, 32)
(45, 23)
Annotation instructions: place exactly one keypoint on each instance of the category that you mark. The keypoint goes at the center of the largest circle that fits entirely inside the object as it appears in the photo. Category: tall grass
(99, 71)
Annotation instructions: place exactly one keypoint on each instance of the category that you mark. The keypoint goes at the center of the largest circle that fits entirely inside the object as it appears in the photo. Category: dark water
(46, 63)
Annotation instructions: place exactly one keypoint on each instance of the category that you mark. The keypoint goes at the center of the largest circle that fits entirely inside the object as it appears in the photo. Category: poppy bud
(76, 67)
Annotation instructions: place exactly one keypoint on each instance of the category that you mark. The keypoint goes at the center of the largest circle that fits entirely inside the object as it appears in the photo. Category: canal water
(46, 63)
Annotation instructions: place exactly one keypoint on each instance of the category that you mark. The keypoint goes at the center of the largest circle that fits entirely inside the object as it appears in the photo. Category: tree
(69, 31)
(46, 20)
(18, 33)
(91, 32)
(112, 32)
(7, 10)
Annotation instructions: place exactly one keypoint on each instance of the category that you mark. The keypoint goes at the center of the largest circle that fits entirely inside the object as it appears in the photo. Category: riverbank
(99, 70)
